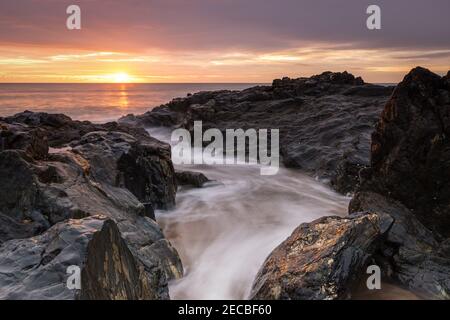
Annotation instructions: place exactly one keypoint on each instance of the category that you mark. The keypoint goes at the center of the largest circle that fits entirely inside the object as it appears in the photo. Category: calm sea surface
(97, 102)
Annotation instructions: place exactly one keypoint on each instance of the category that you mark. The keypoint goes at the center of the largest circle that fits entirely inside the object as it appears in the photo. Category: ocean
(98, 102)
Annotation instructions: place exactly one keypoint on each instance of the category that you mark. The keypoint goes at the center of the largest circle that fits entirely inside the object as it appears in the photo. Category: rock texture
(411, 149)
(321, 260)
(36, 268)
(410, 254)
(190, 178)
(405, 189)
(53, 169)
(325, 121)
(409, 179)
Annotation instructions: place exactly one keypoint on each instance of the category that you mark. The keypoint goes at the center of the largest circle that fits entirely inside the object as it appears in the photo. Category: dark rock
(36, 268)
(196, 179)
(321, 259)
(111, 272)
(20, 137)
(411, 149)
(347, 177)
(418, 260)
(409, 180)
(113, 170)
(122, 160)
(325, 121)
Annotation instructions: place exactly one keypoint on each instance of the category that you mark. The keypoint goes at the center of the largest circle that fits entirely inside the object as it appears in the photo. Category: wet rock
(119, 159)
(20, 137)
(416, 258)
(112, 273)
(408, 180)
(112, 170)
(196, 179)
(325, 121)
(36, 268)
(321, 259)
(411, 149)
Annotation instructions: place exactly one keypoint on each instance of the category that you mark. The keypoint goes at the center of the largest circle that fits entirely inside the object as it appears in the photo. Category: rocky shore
(77, 194)
(325, 121)
(74, 193)
(396, 167)
(398, 218)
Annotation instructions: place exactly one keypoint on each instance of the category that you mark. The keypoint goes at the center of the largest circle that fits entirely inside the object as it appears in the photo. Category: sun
(121, 77)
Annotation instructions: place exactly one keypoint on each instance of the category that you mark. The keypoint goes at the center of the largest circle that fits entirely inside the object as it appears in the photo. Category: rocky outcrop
(39, 267)
(325, 121)
(111, 170)
(112, 273)
(410, 253)
(409, 179)
(405, 189)
(411, 149)
(321, 260)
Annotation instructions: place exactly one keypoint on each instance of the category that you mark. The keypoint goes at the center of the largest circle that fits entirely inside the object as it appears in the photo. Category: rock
(20, 137)
(418, 260)
(36, 268)
(112, 170)
(120, 159)
(325, 121)
(320, 260)
(347, 177)
(196, 179)
(411, 149)
(405, 189)
(409, 180)
(112, 273)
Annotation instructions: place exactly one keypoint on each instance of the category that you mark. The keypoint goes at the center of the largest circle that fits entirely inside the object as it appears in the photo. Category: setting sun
(121, 77)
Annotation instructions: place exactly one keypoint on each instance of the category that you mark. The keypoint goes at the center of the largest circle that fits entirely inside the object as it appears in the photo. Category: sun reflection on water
(123, 97)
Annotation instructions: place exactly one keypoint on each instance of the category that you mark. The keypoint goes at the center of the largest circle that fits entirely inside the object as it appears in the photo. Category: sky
(252, 41)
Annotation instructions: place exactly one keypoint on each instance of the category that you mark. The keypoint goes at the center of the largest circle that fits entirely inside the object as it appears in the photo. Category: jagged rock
(410, 252)
(320, 260)
(112, 273)
(36, 268)
(20, 137)
(120, 174)
(120, 159)
(196, 179)
(411, 149)
(409, 180)
(325, 121)
(60, 130)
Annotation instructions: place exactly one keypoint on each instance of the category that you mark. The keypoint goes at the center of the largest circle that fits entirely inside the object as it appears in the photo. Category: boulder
(321, 260)
(410, 152)
(410, 253)
(190, 178)
(37, 268)
(409, 179)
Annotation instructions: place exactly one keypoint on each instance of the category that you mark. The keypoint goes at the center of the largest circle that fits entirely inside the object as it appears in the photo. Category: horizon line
(135, 83)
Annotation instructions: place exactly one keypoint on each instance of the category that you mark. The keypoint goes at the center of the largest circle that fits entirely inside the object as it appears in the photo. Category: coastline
(332, 142)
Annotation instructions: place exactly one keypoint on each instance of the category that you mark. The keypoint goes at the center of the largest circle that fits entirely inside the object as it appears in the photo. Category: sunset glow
(122, 77)
(213, 42)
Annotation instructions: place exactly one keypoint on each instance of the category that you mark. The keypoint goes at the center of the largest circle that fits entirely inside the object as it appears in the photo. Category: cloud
(227, 40)
(213, 25)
